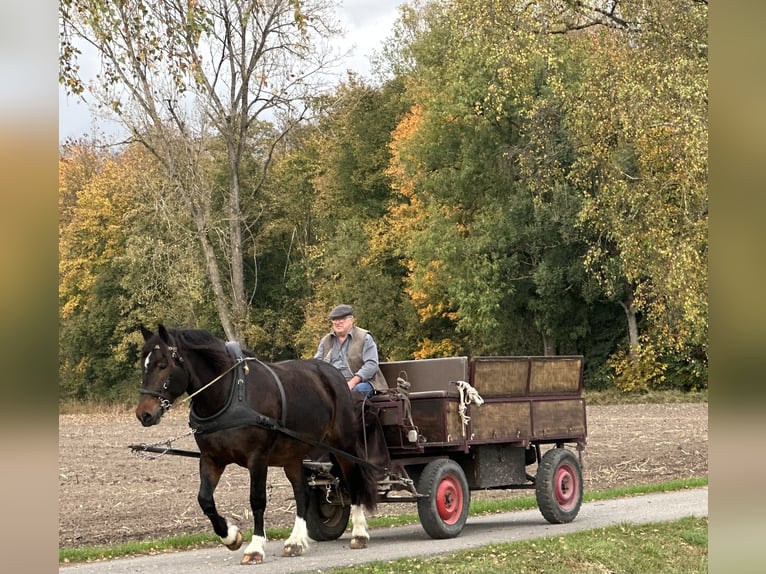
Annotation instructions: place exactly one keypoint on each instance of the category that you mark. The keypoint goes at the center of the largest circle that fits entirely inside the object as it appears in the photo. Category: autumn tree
(348, 156)
(639, 116)
(481, 164)
(101, 199)
(203, 84)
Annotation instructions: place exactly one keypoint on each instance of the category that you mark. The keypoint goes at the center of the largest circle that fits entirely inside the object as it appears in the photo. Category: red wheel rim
(449, 500)
(566, 487)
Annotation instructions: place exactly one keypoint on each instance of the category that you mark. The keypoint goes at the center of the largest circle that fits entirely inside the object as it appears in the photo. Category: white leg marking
(231, 534)
(256, 546)
(358, 522)
(300, 534)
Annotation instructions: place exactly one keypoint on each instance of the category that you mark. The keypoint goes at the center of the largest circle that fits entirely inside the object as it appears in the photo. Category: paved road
(411, 541)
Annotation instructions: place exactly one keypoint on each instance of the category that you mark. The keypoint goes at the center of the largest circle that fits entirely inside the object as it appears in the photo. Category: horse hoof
(254, 558)
(237, 543)
(359, 542)
(292, 550)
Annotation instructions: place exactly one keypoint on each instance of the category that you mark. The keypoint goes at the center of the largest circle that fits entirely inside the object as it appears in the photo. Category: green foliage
(119, 266)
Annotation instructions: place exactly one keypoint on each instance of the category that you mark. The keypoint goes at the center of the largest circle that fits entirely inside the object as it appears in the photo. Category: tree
(639, 115)
(96, 199)
(349, 153)
(481, 167)
(119, 265)
(197, 82)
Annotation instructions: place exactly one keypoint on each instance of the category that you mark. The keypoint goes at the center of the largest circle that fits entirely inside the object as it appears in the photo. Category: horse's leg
(355, 481)
(359, 535)
(298, 540)
(254, 552)
(210, 474)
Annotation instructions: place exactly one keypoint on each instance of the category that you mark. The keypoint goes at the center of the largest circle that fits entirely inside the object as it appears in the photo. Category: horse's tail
(371, 447)
(367, 487)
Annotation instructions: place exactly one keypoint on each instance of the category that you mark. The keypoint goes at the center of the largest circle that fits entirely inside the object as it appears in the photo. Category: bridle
(165, 401)
(178, 360)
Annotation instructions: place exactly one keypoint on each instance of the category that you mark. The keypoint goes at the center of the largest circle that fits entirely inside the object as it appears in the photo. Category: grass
(659, 548)
(616, 397)
(192, 541)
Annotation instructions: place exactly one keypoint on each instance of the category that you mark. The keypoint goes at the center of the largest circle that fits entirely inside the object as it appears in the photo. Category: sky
(367, 23)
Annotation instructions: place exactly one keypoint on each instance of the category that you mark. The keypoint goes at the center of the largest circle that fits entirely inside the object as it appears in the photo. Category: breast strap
(237, 412)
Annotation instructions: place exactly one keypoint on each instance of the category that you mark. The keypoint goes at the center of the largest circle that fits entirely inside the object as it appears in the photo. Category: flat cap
(341, 311)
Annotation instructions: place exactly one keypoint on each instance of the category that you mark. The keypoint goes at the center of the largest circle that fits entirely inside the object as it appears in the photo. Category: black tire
(325, 521)
(558, 486)
(444, 510)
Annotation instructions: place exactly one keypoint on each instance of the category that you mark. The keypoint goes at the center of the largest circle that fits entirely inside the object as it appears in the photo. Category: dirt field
(108, 495)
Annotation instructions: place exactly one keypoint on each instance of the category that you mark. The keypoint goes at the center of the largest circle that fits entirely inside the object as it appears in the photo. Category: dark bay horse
(255, 414)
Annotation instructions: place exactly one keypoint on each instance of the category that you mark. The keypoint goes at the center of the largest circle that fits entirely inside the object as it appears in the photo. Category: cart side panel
(559, 376)
(558, 418)
(525, 376)
(501, 421)
(437, 418)
(501, 376)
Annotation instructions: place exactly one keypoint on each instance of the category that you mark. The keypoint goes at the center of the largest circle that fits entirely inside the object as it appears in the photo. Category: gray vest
(355, 350)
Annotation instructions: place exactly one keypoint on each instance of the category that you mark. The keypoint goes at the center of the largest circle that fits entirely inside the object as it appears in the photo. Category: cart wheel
(325, 521)
(444, 510)
(558, 486)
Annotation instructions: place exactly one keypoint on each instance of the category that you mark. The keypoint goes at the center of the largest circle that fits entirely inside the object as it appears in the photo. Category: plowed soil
(109, 495)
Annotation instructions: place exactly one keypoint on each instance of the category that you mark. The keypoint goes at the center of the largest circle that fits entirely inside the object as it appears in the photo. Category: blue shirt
(339, 356)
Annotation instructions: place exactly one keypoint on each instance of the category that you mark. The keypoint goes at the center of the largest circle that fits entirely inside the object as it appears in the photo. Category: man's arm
(369, 359)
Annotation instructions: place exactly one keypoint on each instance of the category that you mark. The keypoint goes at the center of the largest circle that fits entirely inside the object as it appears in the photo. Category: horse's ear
(164, 335)
(146, 333)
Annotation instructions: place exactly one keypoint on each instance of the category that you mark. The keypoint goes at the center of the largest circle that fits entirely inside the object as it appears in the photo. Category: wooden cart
(454, 425)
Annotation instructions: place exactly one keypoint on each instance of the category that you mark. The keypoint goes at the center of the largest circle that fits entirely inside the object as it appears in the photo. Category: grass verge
(192, 541)
(660, 548)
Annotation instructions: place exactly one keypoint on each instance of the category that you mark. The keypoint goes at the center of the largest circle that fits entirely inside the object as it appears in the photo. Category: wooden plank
(501, 421)
(558, 418)
(437, 419)
(494, 376)
(555, 375)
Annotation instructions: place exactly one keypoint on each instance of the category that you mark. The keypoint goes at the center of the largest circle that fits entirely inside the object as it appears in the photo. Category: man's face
(342, 326)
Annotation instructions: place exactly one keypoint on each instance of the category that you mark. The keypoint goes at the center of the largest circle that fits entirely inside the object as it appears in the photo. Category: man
(353, 352)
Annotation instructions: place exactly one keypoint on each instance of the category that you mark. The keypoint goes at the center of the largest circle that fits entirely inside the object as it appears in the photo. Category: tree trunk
(238, 299)
(630, 314)
(549, 346)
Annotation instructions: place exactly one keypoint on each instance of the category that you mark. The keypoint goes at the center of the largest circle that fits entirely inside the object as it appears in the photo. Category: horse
(256, 415)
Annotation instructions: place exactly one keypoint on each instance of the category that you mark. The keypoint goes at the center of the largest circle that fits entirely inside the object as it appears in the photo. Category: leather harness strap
(237, 412)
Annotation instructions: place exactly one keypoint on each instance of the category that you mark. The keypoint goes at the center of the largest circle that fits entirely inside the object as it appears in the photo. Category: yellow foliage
(429, 349)
(637, 369)
(98, 195)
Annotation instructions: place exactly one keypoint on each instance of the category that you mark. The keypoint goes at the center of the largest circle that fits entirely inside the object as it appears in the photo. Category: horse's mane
(205, 343)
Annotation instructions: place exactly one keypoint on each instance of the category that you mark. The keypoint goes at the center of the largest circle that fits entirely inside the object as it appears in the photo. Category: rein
(218, 378)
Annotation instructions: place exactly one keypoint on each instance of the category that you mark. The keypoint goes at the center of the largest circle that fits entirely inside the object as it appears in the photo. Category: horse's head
(163, 376)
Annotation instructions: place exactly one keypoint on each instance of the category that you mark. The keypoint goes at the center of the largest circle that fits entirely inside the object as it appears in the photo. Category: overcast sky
(367, 23)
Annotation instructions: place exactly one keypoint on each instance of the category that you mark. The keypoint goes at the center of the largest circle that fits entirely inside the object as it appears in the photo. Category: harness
(237, 412)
